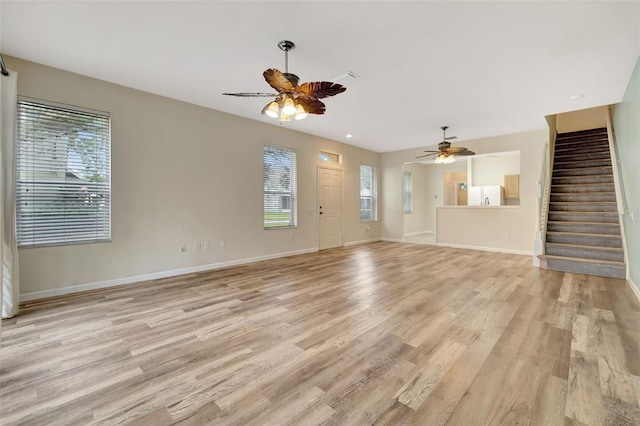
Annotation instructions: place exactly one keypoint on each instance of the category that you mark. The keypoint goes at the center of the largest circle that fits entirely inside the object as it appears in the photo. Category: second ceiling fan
(446, 153)
(293, 99)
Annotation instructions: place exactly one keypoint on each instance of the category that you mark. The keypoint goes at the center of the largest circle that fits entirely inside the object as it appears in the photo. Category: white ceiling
(483, 68)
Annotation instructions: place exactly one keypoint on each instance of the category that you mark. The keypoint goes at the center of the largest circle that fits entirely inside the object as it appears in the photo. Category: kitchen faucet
(486, 201)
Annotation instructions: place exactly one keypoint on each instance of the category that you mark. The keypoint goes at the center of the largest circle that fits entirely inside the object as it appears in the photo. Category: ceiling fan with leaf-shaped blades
(293, 99)
(446, 153)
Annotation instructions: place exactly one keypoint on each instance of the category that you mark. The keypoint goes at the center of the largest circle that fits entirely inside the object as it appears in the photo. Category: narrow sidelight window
(367, 193)
(407, 192)
(280, 203)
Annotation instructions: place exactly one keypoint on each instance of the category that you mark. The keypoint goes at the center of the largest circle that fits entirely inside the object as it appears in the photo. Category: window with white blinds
(368, 194)
(407, 192)
(63, 175)
(279, 187)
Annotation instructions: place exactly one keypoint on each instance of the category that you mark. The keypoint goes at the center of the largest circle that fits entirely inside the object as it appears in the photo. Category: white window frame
(57, 203)
(407, 192)
(272, 200)
(370, 196)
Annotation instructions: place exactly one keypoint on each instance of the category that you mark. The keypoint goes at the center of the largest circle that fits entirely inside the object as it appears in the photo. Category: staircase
(583, 228)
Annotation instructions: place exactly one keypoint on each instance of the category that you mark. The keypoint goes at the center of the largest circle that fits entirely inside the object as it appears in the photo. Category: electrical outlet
(198, 245)
(293, 235)
(207, 245)
(183, 248)
(221, 243)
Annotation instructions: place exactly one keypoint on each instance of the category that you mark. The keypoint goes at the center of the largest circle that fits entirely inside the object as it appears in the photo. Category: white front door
(330, 207)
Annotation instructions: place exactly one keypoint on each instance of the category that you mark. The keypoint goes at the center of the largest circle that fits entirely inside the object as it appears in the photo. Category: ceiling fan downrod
(286, 46)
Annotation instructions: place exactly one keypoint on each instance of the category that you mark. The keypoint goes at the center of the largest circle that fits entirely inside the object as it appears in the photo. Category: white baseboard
(155, 275)
(393, 240)
(492, 249)
(413, 234)
(356, 243)
(634, 288)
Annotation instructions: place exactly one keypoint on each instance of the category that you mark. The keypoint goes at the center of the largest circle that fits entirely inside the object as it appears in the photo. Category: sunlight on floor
(425, 238)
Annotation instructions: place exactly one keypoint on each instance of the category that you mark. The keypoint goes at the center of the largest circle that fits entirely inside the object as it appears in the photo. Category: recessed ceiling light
(349, 135)
(576, 97)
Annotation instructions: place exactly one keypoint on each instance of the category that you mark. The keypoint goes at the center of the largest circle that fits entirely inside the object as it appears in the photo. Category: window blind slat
(63, 179)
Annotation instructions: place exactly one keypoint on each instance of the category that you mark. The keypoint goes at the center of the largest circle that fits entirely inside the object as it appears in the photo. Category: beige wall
(627, 140)
(417, 221)
(182, 174)
(462, 227)
(490, 170)
(584, 119)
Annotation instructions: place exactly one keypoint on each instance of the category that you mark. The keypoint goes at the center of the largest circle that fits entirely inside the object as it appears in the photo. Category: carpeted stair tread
(583, 171)
(576, 265)
(603, 155)
(595, 206)
(576, 143)
(580, 149)
(599, 228)
(594, 217)
(585, 252)
(561, 165)
(567, 222)
(584, 234)
(581, 238)
(574, 188)
(583, 197)
(582, 179)
(578, 259)
(582, 246)
(583, 134)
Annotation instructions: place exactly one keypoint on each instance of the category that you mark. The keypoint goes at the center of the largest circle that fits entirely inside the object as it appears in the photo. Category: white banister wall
(623, 208)
(544, 190)
(541, 190)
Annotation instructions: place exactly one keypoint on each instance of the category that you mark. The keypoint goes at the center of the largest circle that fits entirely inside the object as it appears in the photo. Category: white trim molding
(155, 275)
(634, 287)
(356, 243)
(492, 249)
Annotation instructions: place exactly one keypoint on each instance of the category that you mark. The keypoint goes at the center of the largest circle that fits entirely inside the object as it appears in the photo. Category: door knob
(320, 212)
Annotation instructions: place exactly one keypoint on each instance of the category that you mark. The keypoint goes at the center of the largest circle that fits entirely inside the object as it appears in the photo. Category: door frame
(328, 166)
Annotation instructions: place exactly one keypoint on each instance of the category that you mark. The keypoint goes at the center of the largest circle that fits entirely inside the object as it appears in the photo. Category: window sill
(275, 228)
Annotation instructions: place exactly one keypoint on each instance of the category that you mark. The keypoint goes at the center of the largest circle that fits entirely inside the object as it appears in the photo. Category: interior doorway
(455, 189)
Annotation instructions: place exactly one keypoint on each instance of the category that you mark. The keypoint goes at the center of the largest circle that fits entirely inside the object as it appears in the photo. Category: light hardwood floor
(383, 333)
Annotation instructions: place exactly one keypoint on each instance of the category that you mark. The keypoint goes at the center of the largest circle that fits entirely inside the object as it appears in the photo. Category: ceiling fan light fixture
(289, 107)
(443, 158)
(301, 114)
(284, 116)
(291, 97)
(273, 110)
